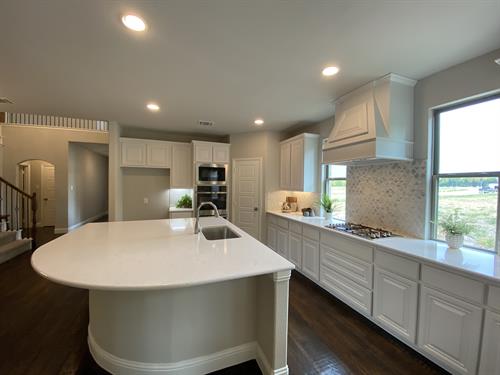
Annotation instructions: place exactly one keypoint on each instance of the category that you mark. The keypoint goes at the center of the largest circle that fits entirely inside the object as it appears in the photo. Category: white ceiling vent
(4, 100)
(206, 123)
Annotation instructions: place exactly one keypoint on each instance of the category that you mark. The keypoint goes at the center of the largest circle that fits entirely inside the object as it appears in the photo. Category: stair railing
(18, 210)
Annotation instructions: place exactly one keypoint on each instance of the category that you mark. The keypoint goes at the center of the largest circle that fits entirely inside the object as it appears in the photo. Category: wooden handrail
(14, 187)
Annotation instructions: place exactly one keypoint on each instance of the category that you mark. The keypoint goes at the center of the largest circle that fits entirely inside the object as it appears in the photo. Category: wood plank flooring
(43, 330)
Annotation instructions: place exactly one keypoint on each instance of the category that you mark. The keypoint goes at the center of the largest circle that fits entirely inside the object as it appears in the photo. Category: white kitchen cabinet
(211, 152)
(395, 304)
(282, 243)
(299, 163)
(133, 153)
(295, 249)
(490, 352)
(220, 153)
(310, 258)
(158, 154)
(272, 234)
(285, 163)
(449, 331)
(181, 173)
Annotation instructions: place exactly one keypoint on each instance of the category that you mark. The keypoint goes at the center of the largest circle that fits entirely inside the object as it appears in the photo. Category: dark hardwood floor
(43, 330)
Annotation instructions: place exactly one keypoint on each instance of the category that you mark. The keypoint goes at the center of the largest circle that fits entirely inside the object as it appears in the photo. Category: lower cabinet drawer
(353, 268)
(449, 331)
(356, 296)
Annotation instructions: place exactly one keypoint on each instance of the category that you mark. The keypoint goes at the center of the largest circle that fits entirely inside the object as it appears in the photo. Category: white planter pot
(328, 216)
(454, 241)
(19, 234)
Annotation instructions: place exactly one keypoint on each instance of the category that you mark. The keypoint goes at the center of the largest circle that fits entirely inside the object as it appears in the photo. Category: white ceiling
(226, 61)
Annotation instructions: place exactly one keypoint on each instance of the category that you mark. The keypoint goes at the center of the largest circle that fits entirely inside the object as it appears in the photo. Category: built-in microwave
(211, 174)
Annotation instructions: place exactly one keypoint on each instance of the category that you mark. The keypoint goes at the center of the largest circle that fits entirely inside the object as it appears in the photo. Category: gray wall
(150, 183)
(28, 143)
(87, 184)
(265, 145)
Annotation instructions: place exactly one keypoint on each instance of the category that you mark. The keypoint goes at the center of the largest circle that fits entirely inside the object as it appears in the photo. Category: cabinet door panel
(181, 173)
(285, 166)
(395, 303)
(133, 154)
(272, 233)
(203, 153)
(310, 258)
(220, 154)
(295, 246)
(159, 155)
(297, 165)
(282, 243)
(490, 352)
(449, 331)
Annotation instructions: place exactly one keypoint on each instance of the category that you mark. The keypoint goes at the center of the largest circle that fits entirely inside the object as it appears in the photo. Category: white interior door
(247, 193)
(48, 201)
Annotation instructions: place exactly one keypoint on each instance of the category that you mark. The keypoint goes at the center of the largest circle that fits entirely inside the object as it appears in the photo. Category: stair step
(6, 237)
(14, 248)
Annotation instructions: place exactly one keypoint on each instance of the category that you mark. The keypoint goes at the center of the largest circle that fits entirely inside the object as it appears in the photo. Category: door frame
(260, 187)
(27, 175)
(42, 191)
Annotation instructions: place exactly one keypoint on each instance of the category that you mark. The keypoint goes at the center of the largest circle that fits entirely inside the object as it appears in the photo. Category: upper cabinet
(373, 123)
(146, 153)
(299, 163)
(211, 152)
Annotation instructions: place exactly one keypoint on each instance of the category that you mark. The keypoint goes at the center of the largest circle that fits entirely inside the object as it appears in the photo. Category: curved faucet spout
(197, 223)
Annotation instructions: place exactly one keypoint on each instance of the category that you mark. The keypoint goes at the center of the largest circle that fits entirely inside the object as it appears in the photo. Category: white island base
(164, 300)
(192, 330)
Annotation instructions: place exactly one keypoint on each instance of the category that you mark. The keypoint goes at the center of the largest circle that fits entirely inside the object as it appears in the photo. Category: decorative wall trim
(28, 119)
(264, 364)
(199, 365)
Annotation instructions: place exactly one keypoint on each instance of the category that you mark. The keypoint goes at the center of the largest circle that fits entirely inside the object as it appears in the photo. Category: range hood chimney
(373, 123)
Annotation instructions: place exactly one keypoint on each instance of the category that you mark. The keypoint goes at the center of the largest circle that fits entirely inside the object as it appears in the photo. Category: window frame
(326, 184)
(436, 175)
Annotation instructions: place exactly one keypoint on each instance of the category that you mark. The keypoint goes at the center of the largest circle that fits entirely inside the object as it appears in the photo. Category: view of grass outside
(476, 198)
(337, 189)
(468, 169)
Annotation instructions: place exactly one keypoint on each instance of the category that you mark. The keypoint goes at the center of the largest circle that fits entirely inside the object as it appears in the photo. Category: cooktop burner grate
(361, 230)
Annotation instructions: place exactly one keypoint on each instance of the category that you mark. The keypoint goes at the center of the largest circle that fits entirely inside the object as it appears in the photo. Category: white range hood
(373, 123)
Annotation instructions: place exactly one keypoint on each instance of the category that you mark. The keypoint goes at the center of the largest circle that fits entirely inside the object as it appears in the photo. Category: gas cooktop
(361, 230)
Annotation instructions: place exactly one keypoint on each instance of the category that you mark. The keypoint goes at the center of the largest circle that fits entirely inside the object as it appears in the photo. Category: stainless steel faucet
(197, 223)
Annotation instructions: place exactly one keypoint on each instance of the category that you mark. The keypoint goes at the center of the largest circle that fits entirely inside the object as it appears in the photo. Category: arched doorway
(38, 176)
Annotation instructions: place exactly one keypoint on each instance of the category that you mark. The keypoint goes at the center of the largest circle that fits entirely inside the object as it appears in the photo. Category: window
(335, 187)
(467, 170)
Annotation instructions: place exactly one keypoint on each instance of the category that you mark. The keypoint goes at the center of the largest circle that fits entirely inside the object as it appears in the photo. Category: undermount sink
(222, 232)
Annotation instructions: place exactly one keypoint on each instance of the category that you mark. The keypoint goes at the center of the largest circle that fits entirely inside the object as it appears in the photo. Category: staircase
(10, 247)
(17, 221)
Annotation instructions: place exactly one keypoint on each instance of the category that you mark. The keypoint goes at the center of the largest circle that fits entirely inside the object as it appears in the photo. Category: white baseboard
(264, 364)
(77, 225)
(193, 366)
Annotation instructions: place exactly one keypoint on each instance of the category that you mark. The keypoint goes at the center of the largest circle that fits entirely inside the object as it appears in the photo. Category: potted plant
(327, 204)
(455, 228)
(184, 202)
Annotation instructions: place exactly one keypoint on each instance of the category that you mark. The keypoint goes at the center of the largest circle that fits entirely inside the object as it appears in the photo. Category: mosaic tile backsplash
(389, 196)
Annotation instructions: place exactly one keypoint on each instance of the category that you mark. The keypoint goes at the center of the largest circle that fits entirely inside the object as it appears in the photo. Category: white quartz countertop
(474, 262)
(152, 254)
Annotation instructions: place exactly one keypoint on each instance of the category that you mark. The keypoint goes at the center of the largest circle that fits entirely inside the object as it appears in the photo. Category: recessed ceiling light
(153, 107)
(259, 122)
(330, 71)
(133, 22)
(497, 61)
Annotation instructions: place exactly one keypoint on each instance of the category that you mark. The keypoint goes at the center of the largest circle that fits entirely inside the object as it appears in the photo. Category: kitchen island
(164, 300)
